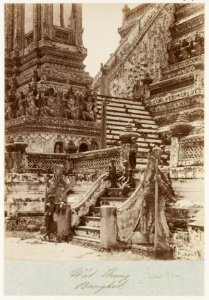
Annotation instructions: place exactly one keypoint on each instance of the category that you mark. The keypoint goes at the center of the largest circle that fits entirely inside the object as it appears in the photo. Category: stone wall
(26, 185)
(24, 193)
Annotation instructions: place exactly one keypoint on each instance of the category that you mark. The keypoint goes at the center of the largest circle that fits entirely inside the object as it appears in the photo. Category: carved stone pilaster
(36, 23)
(199, 76)
(18, 26)
(9, 20)
(47, 21)
(174, 155)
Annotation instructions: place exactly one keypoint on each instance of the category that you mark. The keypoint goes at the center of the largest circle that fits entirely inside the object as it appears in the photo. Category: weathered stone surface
(108, 233)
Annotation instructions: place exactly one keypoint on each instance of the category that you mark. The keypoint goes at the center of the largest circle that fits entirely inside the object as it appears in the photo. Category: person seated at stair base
(128, 184)
(124, 173)
(112, 174)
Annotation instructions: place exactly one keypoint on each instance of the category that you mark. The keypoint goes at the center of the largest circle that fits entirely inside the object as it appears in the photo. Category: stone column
(77, 10)
(62, 15)
(19, 36)
(108, 231)
(9, 22)
(47, 21)
(36, 24)
(104, 91)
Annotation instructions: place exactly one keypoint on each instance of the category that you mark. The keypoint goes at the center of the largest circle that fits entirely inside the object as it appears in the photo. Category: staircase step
(152, 126)
(95, 211)
(91, 221)
(129, 119)
(85, 239)
(87, 231)
(126, 112)
(120, 101)
(146, 132)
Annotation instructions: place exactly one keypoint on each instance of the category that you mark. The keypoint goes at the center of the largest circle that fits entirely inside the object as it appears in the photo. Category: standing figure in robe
(165, 194)
(57, 190)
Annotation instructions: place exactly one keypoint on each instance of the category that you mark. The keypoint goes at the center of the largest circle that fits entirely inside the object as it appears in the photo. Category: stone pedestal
(63, 218)
(108, 231)
(126, 141)
(181, 128)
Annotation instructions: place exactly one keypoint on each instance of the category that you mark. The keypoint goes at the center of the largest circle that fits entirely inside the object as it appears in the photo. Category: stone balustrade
(84, 163)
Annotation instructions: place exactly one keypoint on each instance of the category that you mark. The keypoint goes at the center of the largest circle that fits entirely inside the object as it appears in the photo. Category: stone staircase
(89, 228)
(119, 114)
(88, 231)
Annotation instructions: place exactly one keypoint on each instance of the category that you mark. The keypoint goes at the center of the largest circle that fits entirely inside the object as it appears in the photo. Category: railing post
(180, 128)
(108, 231)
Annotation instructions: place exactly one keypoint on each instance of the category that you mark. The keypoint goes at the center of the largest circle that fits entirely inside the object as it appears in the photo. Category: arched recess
(83, 147)
(58, 147)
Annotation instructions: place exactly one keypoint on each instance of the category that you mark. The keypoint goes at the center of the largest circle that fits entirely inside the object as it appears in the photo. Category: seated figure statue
(32, 110)
(52, 107)
(21, 105)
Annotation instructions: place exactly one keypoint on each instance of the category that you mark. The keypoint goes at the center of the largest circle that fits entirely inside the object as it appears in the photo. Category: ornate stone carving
(130, 67)
(174, 156)
(187, 10)
(191, 150)
(187, 172)
(191, 24)
(171, 84)
(185, 48)
(182, 67)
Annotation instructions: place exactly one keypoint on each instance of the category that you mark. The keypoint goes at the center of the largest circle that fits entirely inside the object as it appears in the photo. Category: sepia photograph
(104, 144)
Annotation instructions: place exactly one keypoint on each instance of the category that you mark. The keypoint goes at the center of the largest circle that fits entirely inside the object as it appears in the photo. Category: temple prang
(45, 79)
